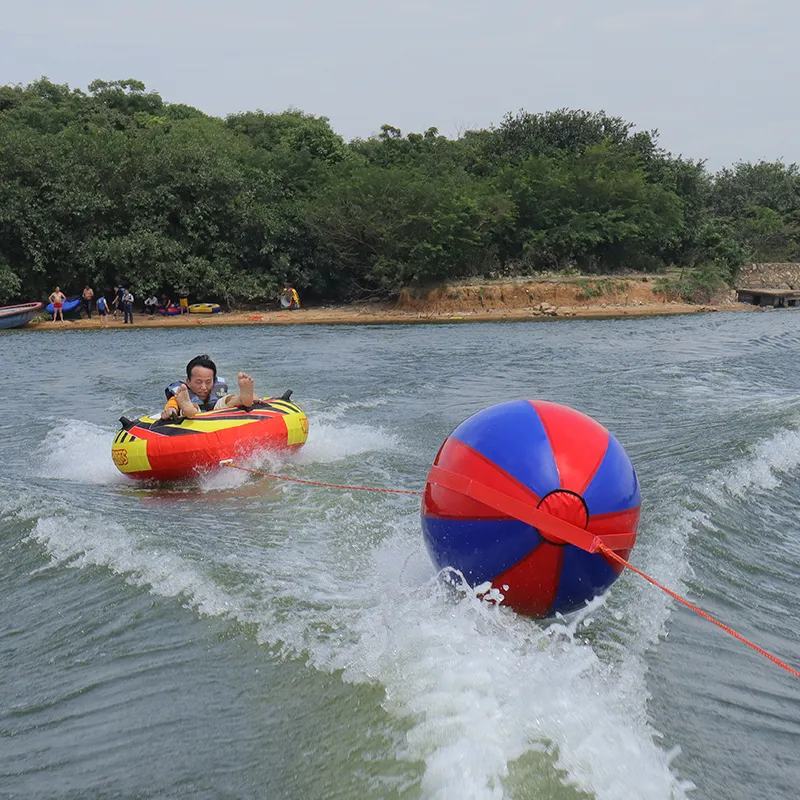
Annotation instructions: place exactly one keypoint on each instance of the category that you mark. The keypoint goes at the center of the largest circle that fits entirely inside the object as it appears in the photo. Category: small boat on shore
(150, 448)
(17, 316)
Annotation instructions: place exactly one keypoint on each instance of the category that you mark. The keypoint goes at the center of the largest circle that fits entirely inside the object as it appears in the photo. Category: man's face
(201, 382)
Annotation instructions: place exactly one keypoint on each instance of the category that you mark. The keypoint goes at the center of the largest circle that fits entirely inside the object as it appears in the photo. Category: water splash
(79, 451)
(479, 685)
(762, 468)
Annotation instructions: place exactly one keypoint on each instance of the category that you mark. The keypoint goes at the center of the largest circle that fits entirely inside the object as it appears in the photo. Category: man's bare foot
(182, 394)
(246, 385)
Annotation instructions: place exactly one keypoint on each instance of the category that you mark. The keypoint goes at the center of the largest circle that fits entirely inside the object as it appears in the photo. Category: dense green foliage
(115, 185)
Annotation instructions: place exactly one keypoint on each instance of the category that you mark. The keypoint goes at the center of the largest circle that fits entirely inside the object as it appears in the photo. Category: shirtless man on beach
(57, 298)
(195, 395)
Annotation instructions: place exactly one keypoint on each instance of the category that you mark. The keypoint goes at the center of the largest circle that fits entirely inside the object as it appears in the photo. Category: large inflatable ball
(519, 496)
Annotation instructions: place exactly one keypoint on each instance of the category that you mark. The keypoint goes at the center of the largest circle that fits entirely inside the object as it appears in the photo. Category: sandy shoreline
(379, 315)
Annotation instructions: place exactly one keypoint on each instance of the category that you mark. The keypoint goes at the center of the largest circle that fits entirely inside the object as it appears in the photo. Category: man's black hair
(201, 361)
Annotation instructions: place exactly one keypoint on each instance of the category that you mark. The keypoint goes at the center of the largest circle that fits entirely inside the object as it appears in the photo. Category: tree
(594, 209)
(769, 184)
(760, 205)
(429, 152)
(10, 283)
(524, 135)
(690, 182)
(299, 148)
(388, 228)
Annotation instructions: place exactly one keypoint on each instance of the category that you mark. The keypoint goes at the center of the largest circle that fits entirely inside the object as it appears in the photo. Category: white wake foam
(480, 685)
(761, 468)
(78, 451)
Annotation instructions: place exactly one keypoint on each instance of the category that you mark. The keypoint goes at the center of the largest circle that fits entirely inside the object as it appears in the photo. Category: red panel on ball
(577, 441)
(533, 582)
(458, 457)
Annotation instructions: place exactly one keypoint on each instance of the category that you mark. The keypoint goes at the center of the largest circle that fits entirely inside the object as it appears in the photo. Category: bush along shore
(113, 185)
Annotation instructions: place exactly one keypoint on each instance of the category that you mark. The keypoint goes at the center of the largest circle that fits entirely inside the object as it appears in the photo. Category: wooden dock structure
(776, 298)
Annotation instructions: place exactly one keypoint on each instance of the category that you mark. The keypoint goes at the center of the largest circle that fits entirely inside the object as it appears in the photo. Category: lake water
(246, 638)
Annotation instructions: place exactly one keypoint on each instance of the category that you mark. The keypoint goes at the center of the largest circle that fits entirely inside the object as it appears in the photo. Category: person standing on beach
(127, 307)
(117, 301)
(102, 309)
(57, 298)
(87, 295)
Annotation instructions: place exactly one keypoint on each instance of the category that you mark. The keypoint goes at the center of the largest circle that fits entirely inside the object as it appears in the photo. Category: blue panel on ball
(614, 486)
(511, 436)
(583, 576)
(480, 549)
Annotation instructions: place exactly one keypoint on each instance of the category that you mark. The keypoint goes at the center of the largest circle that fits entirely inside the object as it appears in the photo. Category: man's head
(201, 372)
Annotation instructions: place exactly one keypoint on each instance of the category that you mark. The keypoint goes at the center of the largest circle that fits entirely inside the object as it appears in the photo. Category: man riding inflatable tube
(204, 391)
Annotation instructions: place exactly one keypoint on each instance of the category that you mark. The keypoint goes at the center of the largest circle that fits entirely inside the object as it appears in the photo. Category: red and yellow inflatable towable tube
(150, 448)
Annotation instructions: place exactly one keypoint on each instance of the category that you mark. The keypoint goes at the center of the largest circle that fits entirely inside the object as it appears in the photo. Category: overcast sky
(718, 78)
